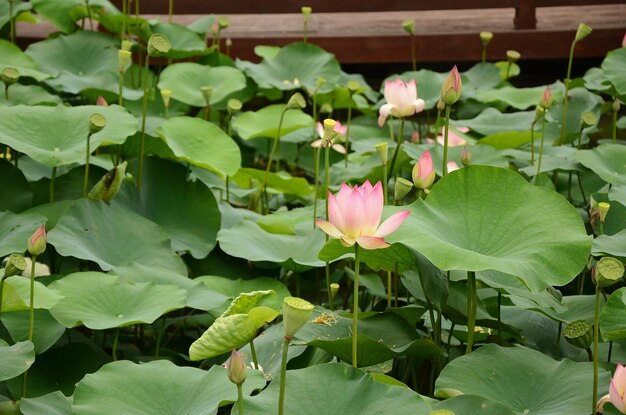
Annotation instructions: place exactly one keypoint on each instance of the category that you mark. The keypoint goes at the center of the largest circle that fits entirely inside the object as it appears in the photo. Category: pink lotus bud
(452, 87)
(37, 242)
(102, 102)
(546, 99)
(624, 41)
(424, 172)
(466, 157)
(236, 368)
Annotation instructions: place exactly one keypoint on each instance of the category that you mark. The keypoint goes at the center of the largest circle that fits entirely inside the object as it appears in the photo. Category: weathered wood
(525, 15)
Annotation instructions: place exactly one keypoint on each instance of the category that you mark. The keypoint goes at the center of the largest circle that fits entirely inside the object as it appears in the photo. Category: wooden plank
(525, 15)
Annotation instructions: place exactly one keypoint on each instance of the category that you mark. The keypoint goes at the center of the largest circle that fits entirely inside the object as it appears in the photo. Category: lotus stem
(596, 340)
(614, 126)
(565, 101)
(471, 310)
(326, 177)
(12, 23)
(144, 113)
(86, 178)
(283, 376)
(558, 341)
(389, 289)
(483, 56)
(348, 132)
(51, 188)
(239, 389)
(1, 290)
(6, 92)
(253, 352)
(399, 140)
(272, 152)
(159, 338)
(317, 183)
(532, 143)
(508, 70)
(543, 128)
(89, 14)
(124, 17)
(31, 320)
(444, 168)
(115, 342)
(355, 299)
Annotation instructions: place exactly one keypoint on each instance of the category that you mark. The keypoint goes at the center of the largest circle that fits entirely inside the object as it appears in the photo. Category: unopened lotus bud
(207, 92)
(296, 101)
(223, 22)
(486, 37)
(466, 157)
(15, 265)
(603, 209)
(424, 171)
(616, 104)
(401, 188)
(101, 102)
(236, 367)
(233, 106)
(383, 151)
(409, 26)
(306, 11)
(123, 59)
(158, 45)
(10, 76)
(588, 119)
(166, 94)
(334, 289)
(296, 313)
(452, 87)
(512, 56)
(546, 99)
(96, 123)
(126, 45)
(109, 185)
(441, 105)
(37, 242)
(582, 32)
(579, 333)
(609, 270)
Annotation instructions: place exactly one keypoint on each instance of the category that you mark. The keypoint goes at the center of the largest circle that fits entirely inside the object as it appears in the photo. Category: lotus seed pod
(296, 313)
(228, 42)
(158, 45)
(353, 86)
(233, 106)
(223, 22)
(486, 37)
(334, 289)
(166, 94)
(609, 270)
(513, 55)
(109, 185)
(383, 151)
(296, 101)
(319, 82)
(10, 76)
(401, 188)
(603, 209)
(588, 119)
(123, 59)
(15, 265)
(409, 26)
(126, 45)
(207, 92)
(237, 370)
(582, 32)
(329, 127)
(306, 11)
(579, 333)
(37, 242)
(96, 123)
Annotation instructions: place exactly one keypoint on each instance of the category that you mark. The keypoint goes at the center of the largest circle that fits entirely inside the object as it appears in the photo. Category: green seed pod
(582, 32)
(158, 45)
(16, 264)
(96, 123)
(579, 333)
(10, 76)
(486, 37)
(296, 313)
(609, 271)
(109, 185)
(401, 188)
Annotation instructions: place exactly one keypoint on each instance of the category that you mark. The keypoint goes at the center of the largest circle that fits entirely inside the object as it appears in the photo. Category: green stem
(614, 125)
(89, 14)
(471, 310)
(508, 69)
(124, 16)
(144, 113)
(385, 185)
(120, 90)
(253, 353)
(1, 290)
(444, 168)
(115, 341)
(399, 141)
(565, 100)
(499, 314)
(274, 147)
(12, 22)
(31, 320)
(389, 290)
(558, 341)
(317, 183)
(239, 389)
(283, 376)
(580, 137)
(543, 125)
(601, 228)
(413, 54)
(159, 338)
(355, 307)
(484, 54)
(532, 143)
(6, 92)
(596, 340)
(330, 297)
(326, 175)
(348, 132)
(52, 179)
(86, 178)
(170, 11)
(305, 30)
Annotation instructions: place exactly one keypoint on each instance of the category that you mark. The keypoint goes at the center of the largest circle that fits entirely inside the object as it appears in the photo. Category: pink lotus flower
(424, 171)
(401, 100)
(355, 215)
(341, 130)
(454, 140)
(616, 391)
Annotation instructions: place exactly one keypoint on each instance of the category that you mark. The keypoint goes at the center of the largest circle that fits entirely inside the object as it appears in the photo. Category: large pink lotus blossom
(341, 131)
(355, 215)
(402, 100)
(616, 391)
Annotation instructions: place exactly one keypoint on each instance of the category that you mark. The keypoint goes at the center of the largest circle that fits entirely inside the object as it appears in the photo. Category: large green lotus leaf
(397, 257)
(53, 403)
(61, 13)
(473, 405)
(428, 85)
(518, 98)
(45, 298)
(245, 302)
(28, 95)
(249, 241)
(232, 288)
(281, 182)
(158, 387)
(596, 80)
(165, 189)
(13, 57)
(491, 121)
(116, 239)
(613, 66)
(18, 7)
(264, 122)
(102, 301)
(554, 158)
(607, 161)
(56, 136)
(481, 156)
(507, 139)
(80, 61)
(613, 316)
(202, 144)
(297, 65)
(480, 218)
(618, 193)
(185, 43)
(610, 245)
(11, 299)
(580, 101)
(15, 230)
(381, 337)
(185, 80)
(15, 359)
(13, 183)
(524, 380)
(336, 388)
(481, 76)
(46, 331)
(231, 332)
